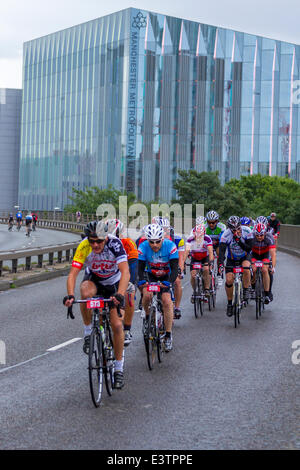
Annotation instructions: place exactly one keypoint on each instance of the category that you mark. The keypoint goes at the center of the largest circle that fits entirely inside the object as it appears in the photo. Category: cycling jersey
(234, 250)
(216, 233)
(158, 263)
(199, 251)
(275, 224)
(140, 240)
(178, 240)
(105, 264)
(28, 219)
(19, 215)
(130, 248)
(261, 248)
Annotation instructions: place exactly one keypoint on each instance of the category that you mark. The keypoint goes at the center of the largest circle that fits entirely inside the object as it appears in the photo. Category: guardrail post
(67, 256)
(59, 256)
(28, 263)
(40, 261)
(14, 265)
(1, 265)
(51, 259)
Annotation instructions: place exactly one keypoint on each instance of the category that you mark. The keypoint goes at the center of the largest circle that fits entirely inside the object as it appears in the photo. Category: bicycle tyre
(236, 312)
(108, 361)
(160, 340)
(258, 295)
(96, 367)
(149, 339)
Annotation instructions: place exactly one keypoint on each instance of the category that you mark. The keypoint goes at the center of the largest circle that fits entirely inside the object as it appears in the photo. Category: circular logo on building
(139, 21)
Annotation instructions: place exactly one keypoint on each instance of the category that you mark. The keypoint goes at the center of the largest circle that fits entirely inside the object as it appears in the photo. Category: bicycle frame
(237, 299)
(154, 330)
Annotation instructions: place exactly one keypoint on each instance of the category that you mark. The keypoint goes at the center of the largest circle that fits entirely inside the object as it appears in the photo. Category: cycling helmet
(154, 232)
(262, 220)
(245, 221)
(157, 219)
(115, 227)
(90, 229)
(200, 220)
(164, 223)
(260, 229)
(102, 229)
(199, 230)
(234, 222)
(273, 214)
(212, 216)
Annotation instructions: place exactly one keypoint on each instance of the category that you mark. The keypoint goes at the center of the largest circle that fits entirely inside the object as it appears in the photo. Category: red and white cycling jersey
(199, 251)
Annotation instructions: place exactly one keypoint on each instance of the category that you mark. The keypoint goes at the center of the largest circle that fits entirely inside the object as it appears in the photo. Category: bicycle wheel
(96, 367)
(160, 338)
(149, 338)
(108, 361)
(258, 294)
(213, 291)
(236, 308)
(198, 308)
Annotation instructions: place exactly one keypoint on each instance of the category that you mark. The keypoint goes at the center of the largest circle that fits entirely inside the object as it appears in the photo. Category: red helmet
(260, 229)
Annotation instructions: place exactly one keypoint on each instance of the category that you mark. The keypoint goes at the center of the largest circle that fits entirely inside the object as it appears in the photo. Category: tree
(88, 201)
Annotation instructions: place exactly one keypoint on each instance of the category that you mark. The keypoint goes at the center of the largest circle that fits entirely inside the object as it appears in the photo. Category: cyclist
(106, 275)
(247, 222)
(34, 220)
(116, 228)
(275, 225)
(28, 223)
(78, 216)
(262, 246)
(200, 248)
(19, 216)
(179, 242)
(232, 242)
(10, 222)
(214, 228)
(158, 261)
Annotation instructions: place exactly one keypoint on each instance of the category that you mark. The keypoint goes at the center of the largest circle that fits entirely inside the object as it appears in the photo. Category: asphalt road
(41, 237)
(220, 387)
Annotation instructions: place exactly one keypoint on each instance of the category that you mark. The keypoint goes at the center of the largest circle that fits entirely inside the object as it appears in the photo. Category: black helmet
(234, 222)
(90, 229)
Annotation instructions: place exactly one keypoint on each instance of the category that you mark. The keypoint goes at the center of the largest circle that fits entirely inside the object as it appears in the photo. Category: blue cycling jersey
(19, 215)
(158, 263)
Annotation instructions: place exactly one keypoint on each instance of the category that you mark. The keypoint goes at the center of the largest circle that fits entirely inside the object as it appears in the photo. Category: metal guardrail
(65, 251)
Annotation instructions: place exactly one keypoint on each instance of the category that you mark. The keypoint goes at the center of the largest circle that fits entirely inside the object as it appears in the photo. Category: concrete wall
(10, 129)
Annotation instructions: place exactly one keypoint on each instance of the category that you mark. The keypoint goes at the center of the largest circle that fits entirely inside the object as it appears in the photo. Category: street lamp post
(56, 209)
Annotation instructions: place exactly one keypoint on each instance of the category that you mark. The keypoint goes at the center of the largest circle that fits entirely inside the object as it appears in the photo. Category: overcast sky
(23, 20)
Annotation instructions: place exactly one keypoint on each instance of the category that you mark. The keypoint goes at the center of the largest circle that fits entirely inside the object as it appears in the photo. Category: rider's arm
(141, 270)
(222, 251)
(174, 269)
(132, 263)
(273, 256)
(125, 276)
(210, 253)
(71, 281)
(245, 245)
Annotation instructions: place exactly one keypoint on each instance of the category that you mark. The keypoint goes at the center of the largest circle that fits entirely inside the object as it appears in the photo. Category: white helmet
(157, 220)
(165, 223)
(154, 232)
(102, 229)
(115, 227)
(200, 220)
(199, 230)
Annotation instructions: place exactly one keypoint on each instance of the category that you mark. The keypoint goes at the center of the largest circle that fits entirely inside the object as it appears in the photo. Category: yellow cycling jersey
(104, 264)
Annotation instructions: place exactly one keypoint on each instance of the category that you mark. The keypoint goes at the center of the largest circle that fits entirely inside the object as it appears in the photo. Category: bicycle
(10, 226)
(199, 290)
(19, 223)
(237, 299)
(153, 327)
(212, 299)
(259, 288)
(101, 352)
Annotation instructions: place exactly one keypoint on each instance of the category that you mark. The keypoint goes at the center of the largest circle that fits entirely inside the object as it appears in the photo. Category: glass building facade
(131, 98)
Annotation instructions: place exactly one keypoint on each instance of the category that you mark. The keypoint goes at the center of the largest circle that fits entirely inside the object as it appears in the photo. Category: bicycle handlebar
(70, 309)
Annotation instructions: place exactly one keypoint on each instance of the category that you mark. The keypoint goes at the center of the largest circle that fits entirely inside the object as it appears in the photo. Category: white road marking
(59, 346)
(55, 348)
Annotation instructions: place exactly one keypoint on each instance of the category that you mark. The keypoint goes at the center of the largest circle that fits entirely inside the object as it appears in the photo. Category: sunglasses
(156, 242)
(98, 241)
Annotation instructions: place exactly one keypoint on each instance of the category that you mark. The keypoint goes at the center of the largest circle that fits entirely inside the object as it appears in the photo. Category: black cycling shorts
(232, 263)
(103, 291)
(196, 261)
(152, 278)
